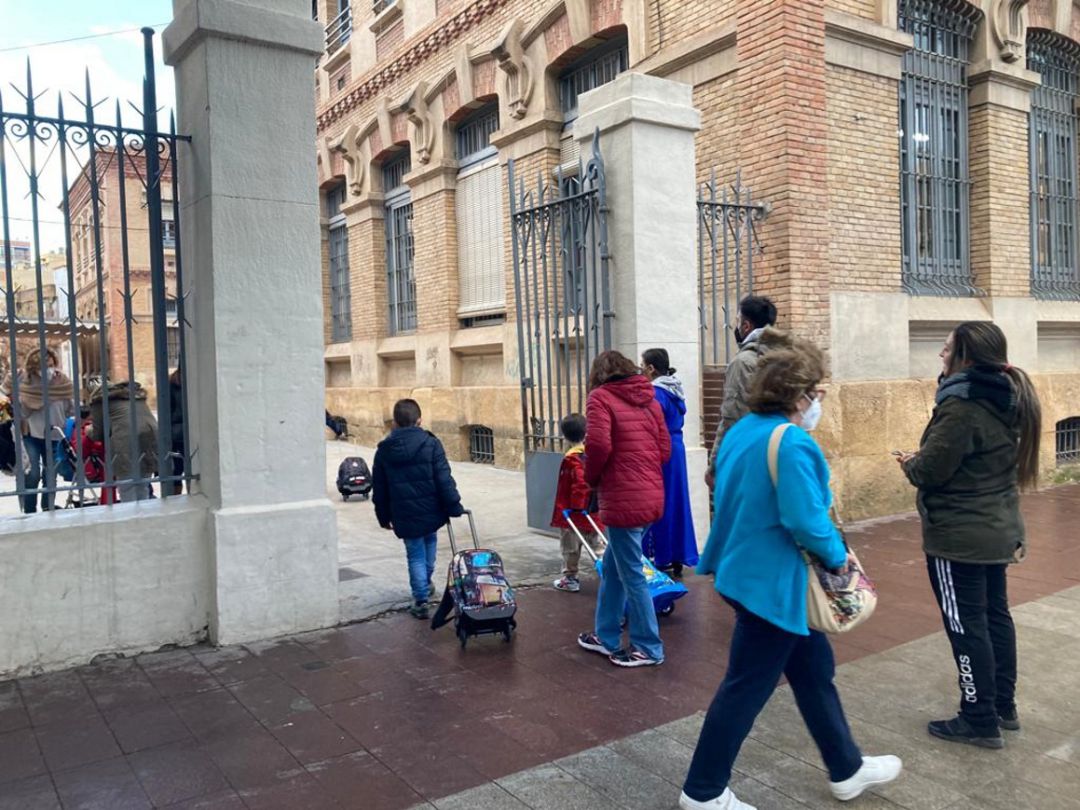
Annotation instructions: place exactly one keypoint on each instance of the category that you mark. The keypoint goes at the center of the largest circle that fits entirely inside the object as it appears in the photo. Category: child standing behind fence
(573, 493)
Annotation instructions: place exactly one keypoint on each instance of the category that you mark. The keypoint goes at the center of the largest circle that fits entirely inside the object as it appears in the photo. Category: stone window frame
(340, 282)
(1053, 172)
(934, 168)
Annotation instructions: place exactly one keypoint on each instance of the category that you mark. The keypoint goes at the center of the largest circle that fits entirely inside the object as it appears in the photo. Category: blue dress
(672, 538)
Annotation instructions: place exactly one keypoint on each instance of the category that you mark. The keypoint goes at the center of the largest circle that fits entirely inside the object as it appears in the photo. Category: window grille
(1053, 145)
(340, 291)
(1067, 440)
(481, 445)
(600, 66)
(168, 233)
(173, 338)
(339, 29)
(479, 321)
(401, 280)
(379, 6)
(933, 133)
(474, 135)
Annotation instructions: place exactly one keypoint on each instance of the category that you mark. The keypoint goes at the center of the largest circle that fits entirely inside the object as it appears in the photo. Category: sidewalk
(388, 715)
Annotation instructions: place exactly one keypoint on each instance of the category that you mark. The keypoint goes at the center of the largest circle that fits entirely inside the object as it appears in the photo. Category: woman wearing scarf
(37, 421)
(980, 448)
(671, 541)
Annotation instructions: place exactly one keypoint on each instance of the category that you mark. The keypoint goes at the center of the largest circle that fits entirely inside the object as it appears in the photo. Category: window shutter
(480, 240)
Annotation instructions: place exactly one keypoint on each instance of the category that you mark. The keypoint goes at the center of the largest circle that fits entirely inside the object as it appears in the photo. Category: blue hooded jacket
(754, 544)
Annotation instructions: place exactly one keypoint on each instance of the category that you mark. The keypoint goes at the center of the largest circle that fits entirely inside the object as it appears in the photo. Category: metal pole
(157, 252)
(133, 433)
(181, 302)
(515, 253)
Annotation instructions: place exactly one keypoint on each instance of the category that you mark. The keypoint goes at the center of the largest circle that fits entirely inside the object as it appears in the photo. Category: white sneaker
(725, 801)
(874, 771)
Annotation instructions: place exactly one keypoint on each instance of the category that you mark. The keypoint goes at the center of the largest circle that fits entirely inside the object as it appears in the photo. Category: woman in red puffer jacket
(628, 445)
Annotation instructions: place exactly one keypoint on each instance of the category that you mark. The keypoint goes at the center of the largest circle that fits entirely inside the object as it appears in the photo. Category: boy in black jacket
(414, 494)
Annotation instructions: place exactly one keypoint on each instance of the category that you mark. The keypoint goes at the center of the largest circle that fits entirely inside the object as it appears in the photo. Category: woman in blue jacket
(671, 541)
(754, 552)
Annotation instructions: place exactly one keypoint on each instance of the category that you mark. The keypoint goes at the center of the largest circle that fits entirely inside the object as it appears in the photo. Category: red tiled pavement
(382, 714)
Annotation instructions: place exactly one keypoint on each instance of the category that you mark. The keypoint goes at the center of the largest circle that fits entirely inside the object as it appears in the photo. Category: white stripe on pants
(948, 595)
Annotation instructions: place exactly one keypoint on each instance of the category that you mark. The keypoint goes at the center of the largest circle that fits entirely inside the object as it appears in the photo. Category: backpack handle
(472, 529)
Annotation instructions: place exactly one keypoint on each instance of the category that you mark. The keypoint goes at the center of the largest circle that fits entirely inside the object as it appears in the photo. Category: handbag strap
(774, 451)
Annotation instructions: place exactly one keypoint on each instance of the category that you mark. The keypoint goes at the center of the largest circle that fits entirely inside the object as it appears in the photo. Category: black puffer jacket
(413, 489)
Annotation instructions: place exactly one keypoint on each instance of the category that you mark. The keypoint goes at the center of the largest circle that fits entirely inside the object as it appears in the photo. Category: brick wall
(781, 96)
(717, 142)
(864, 195)
(435, 262)
(1000, 224)
(860, 8)
(389, 40)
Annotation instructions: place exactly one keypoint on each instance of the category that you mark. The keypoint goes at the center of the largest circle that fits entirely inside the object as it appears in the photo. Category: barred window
(1052, 147)
(933, 133)
(401, 281)
(599, 66)
(478, 202)
(481, 444)
(172, 336)
(1067, 440)
(340, 293)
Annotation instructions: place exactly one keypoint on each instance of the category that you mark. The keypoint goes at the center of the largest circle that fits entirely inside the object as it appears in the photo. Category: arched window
(933, 136)
(1067, 441)
(400, 279)
(1052, 146)
(598, 66)
(340, 293)
(478, 202)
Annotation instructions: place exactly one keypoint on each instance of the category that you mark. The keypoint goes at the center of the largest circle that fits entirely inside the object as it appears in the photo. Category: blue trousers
(622, 586)
(760, 653)
(420, 554)
(39, 469)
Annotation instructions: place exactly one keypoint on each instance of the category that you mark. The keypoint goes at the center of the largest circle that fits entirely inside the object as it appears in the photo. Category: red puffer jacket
(628, 443)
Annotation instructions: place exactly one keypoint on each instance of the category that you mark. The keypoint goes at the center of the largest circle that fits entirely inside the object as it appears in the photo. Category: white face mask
(812, 415)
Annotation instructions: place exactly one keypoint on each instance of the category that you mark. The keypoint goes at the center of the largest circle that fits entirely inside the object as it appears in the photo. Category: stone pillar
(250, 220)
(647, 128)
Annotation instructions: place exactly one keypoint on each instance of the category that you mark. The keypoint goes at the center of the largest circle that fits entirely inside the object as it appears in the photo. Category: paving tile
(313, 737)
(270, 699)
(19, 756)
(1010, 793)
(223, 800)
(214, 714)
(55, 697)
(552, 788)
(119, 687)
(360, 774)
(253, 759)
(663, 755)
(280, 655)
(13, 715)
(485, 797)
(764, 797)
(36, 793)
(337, 644)
(232, 664)
(299, 792)
(176, 675)
(324, 686)
(619, 779)
(148, 727)
(108, 785)
(80, 742)
(177, 772)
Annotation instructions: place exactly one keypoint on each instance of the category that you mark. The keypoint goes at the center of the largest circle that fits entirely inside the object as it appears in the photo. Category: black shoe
(419, 611)
(959, 730)
(1009, 720)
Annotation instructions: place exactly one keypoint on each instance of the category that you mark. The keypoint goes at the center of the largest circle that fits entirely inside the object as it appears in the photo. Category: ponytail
(1029, 416)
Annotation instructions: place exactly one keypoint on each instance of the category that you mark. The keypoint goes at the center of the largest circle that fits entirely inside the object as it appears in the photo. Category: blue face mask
(812, 415)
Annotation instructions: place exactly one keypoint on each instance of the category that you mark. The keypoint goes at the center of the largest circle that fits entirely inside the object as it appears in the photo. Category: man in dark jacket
(414, 494)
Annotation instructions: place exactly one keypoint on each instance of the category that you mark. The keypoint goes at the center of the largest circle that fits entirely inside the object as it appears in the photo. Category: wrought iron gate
(727, 245)
(563, 308)
(117, 233)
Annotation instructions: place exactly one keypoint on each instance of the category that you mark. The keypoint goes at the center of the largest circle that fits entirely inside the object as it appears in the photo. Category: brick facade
(799, 96)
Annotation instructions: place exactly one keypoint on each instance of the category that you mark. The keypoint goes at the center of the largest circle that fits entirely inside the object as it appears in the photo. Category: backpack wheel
(666, 611)
(345, 496)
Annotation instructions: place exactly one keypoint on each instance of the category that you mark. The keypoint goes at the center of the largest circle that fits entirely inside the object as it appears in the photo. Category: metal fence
(75, 415)
(727, 245)
(562, 296)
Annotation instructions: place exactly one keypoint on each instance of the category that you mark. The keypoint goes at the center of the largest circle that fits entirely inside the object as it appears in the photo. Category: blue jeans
(420, 553)
(35, 450)
(760, 653)
(623, 587)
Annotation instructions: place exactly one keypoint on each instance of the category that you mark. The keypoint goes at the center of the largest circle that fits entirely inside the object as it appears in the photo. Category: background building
(917, 159)
(121, 236)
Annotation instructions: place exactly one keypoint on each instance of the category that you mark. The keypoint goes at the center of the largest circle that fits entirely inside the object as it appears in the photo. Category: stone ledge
(860, 44)
(387, 17)
(1001, 86)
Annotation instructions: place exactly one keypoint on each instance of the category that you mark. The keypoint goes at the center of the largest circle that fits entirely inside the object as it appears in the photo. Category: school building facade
(916, 161)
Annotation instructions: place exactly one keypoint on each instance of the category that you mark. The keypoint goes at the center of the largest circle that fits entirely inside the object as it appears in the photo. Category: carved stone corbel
(386, 129)
(352, 154)
(463, 69)
(322, 159)
(1008, 23)
(415, 108)
(510, 57)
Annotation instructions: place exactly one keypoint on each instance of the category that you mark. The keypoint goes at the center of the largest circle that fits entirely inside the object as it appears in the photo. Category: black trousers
(760, 653)
(974, 606)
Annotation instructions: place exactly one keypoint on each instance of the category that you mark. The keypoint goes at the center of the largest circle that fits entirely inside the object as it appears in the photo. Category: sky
(115, 64)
